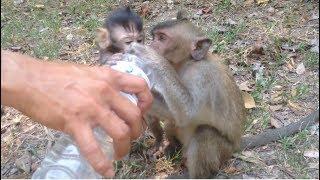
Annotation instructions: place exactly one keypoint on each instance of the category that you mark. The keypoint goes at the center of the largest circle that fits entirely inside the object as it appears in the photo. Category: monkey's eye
(162, 37)
(128, 42)
(139, 40)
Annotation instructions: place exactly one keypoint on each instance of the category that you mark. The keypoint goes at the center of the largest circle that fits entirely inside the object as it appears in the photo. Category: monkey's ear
(200, 48)
(182, 15)
(103, 38)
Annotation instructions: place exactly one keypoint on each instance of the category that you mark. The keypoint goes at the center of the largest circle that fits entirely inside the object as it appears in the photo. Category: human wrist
(14, 71)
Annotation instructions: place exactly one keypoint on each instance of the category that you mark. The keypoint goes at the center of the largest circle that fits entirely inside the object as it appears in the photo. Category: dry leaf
(300, 69)
(293, 92)
(39, 6)
(294, 105)
(276, 98)
(262, 1)
(231, 170)
(278, 87)
(252, 158)
(290, 67)
(145, 10)
(247, 2)
(255, 51)
(311, 153)
(207, 10)
(244, 87)
(275, 123)
(248, 100)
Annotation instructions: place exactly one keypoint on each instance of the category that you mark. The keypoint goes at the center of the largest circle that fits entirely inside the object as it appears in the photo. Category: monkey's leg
(171, 135)
(206, 152)
(154, 125)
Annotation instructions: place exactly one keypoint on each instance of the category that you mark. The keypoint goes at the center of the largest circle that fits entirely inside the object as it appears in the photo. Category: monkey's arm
(182, 101)
(271, 135)
(181, 97)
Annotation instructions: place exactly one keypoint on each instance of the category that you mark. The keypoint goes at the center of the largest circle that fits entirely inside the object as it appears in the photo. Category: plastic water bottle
(64, 160)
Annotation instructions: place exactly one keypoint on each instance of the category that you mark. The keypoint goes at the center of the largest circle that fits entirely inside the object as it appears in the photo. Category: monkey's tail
(272, 135)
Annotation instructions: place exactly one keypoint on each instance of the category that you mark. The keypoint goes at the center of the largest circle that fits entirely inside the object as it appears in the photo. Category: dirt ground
(271, 47)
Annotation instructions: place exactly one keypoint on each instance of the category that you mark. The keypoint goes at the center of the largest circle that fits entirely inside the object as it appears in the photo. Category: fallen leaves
(231, 170)
(244, 86)
(145, 10)
(294, 106)
(255, 51)
(262, 1)
(249, 156)
(275, 107)
(248, 100)
(275, 122)
(39, 6)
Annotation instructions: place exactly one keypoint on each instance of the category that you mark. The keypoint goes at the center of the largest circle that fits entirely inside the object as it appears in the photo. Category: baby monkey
(121, 28)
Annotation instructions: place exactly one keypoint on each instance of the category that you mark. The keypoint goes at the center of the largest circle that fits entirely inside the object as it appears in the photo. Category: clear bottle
(64, 160)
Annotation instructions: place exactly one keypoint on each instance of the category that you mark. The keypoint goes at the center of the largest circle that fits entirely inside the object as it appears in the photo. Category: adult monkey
(195, 94)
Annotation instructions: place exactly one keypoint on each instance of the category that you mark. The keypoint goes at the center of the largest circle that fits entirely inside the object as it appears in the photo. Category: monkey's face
(170, 45)
(122, 37)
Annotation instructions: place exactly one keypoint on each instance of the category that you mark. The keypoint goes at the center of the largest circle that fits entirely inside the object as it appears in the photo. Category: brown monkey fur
(195, 94)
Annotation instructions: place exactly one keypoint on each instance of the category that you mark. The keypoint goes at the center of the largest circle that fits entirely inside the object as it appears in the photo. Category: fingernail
(109, 173)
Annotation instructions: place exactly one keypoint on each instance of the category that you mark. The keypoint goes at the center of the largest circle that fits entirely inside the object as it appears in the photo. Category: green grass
(223, 5)
(221, 41)
(259, 116)
(262, 85)
(311, 60)
(291, 156)
(38, 30)
(301, 92)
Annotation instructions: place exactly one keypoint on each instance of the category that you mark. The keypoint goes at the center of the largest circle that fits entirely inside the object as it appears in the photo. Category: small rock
(69, 37)
(16, 48)
(231, 22)
(300, 69)
(311, 153)
(315, 49)
(314, 42)
(314, 17)
(17, 2)
(221, 29)
(43, 29)
(314, 129)
(293, 48)
(13, 170)
(271, 9)
(200, 12)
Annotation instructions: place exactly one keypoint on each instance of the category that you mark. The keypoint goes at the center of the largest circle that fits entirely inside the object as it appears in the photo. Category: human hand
(75, 99)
